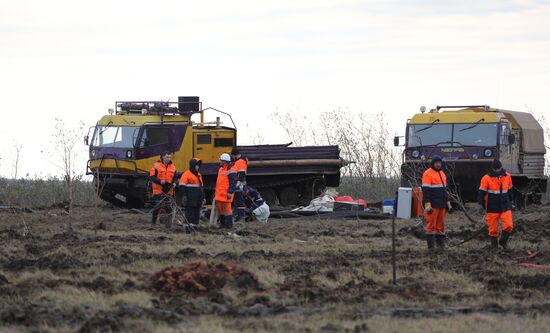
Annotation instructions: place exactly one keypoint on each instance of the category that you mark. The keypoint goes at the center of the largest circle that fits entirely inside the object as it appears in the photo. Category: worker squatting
(231, 190)
(494, 198)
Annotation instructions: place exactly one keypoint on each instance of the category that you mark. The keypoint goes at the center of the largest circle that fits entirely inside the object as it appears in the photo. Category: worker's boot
(494, 243)
(504, 240)
(240, 214)
(440, 241)
(431, 241)
(228, 222)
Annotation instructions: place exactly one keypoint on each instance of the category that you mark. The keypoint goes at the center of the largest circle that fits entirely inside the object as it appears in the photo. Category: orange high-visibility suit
(225, 189)
(192, 191)
(159, 172)
(495, 195)
(434, 190)
(241, 167)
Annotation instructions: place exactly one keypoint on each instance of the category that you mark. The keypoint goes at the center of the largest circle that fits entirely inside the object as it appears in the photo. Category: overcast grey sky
(73, 59)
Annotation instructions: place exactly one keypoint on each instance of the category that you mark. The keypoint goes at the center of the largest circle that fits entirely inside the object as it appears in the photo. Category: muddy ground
(306, 275)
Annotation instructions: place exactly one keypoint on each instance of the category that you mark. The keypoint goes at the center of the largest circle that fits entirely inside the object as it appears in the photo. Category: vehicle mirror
(86, 142)
(511, 139)
(396, 141)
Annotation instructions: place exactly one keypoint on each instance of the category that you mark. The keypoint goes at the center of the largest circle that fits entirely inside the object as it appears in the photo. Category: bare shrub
(65, 157)
(17, 147)
(39, 192)
(364, 139)
(256, 137)
(296, 128)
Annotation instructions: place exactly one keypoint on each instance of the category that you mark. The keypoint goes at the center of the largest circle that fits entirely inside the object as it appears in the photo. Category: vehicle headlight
(129, 153)
(474, 156)
(92, 152)
(423, 158)
(415, 154)
(487, 153)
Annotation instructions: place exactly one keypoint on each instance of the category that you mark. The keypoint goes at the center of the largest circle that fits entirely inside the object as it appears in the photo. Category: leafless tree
(363, 138)
(17, 147)
(296, 126)
(65, 157)
(256, 136)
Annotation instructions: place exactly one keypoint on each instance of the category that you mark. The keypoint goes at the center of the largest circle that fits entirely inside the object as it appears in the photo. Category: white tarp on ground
(324, 203)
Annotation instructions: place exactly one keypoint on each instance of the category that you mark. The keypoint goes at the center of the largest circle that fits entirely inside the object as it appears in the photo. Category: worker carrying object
(163, 179)
(225, 189)
(240, 165)
(256, 204)
(192, 192)
(436, 201)
(495, 198)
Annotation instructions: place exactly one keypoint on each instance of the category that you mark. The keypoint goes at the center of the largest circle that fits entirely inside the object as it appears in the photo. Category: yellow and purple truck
(468, 138)
(124, 144)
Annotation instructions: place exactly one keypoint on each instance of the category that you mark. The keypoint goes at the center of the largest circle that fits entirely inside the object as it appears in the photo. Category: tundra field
(293, 275)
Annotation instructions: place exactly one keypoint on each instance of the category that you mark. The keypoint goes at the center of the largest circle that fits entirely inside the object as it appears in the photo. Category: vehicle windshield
(426, 134)
(484, 135)
(115, 136)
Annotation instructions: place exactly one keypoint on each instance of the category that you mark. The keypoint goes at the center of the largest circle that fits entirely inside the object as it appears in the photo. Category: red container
(416, 201)
(361, 202)
(345, 198)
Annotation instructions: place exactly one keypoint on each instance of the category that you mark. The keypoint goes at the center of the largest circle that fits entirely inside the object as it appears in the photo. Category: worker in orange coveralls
(163, 177)
(225, 190)
(495, 198)
(191, 188)
(435, 200)
(240, 165)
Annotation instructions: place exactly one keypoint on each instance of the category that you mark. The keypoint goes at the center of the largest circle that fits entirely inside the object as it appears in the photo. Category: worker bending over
(256, 204)
(495, 199)
(240, 165)
(163, 179)
(192, 192)
(435, 200)
(225, 189)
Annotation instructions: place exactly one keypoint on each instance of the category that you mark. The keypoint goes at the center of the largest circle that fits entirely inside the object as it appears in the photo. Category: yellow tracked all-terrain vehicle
(125, 143)
(468, 138)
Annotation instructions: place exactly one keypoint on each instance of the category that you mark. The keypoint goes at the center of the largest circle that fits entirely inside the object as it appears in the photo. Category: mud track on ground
(100, 278)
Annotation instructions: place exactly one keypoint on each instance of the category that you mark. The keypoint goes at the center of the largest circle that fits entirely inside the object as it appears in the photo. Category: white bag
(262, 213)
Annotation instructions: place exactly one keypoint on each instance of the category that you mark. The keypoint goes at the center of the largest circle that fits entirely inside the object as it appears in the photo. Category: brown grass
(327, 276)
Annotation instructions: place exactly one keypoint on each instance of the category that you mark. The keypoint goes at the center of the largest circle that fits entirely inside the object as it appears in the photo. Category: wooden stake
(394, 274)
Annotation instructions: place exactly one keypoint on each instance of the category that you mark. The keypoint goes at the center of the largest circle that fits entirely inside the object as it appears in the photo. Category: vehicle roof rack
(485, 106)
(186, 105)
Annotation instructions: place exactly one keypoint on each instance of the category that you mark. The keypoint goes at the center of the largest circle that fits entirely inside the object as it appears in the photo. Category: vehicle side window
(204, 139)
(504, 132)
(223, 142)
(154, 136)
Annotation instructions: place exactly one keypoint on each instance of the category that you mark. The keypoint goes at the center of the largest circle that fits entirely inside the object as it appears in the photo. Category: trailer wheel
(269, 195)
(288, 196)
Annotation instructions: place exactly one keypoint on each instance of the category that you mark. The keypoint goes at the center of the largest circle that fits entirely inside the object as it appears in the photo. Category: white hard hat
(225, 157)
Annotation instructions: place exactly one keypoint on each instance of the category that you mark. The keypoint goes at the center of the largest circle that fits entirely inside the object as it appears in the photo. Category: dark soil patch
(99, 284)
(3, 280)
(415, 231)
(187, 252)
(54, 262)
(42, 312)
